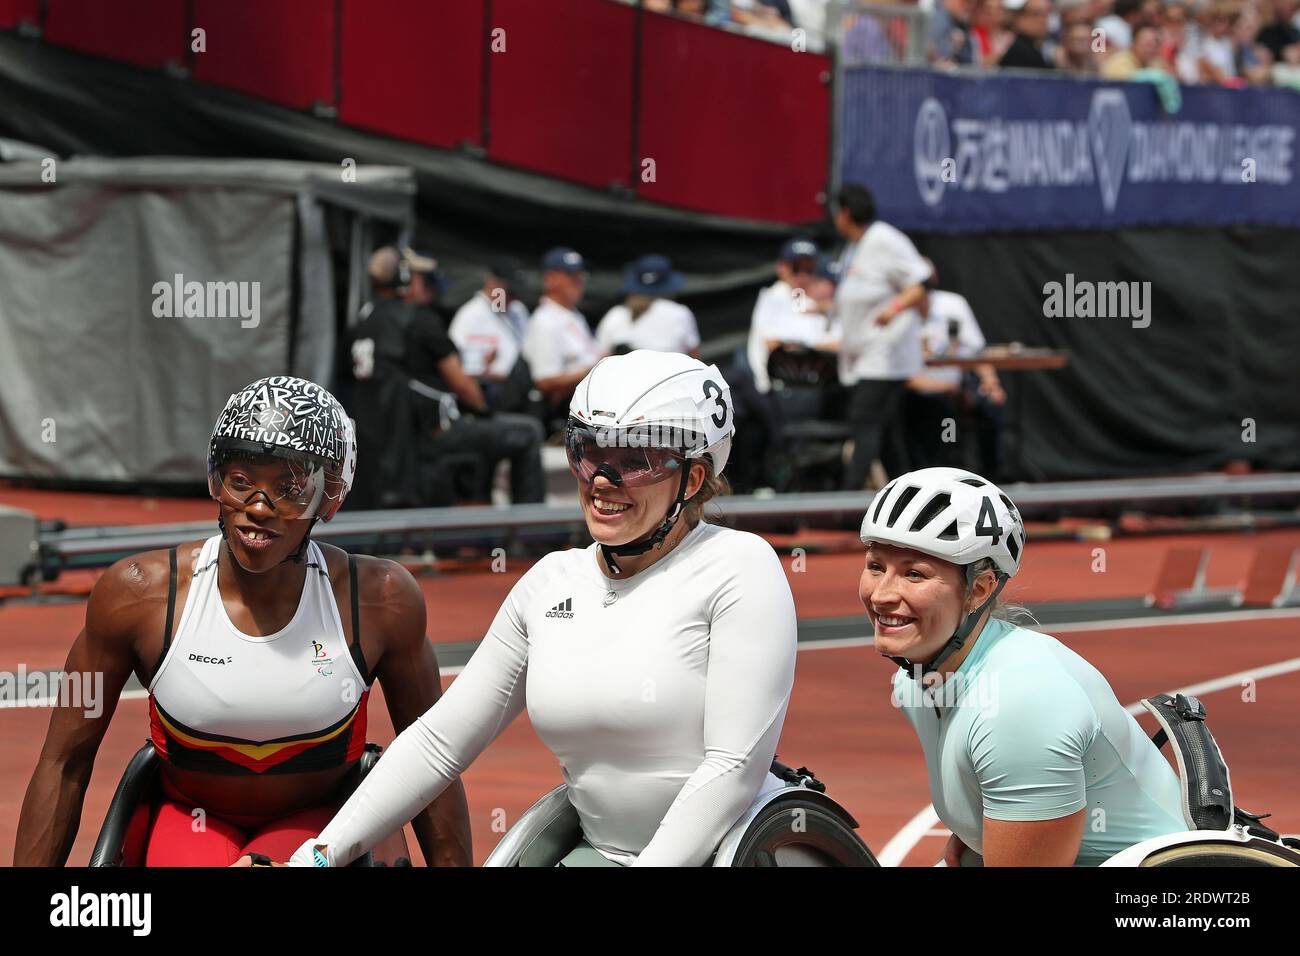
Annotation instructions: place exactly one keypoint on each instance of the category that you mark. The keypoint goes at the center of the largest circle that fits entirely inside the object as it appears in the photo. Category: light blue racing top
(1026, 729)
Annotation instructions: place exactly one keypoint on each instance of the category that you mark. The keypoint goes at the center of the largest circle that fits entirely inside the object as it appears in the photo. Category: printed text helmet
(672, 396)
(295, 420)
(950, 514)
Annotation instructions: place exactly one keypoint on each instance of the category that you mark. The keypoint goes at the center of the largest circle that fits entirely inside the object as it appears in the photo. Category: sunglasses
(294, 490)
(627, 457)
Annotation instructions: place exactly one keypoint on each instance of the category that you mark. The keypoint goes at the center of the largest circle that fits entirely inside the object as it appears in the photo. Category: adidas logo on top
(563, 609)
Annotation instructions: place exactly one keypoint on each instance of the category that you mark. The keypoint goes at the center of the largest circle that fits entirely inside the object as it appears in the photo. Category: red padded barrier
(282, 50)
(13, 11)
(735, 125)
(416, 72)
(143, 32)
(560, 96)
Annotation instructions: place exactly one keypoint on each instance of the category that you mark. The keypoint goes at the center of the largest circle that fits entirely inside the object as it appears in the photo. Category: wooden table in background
(1011, 358)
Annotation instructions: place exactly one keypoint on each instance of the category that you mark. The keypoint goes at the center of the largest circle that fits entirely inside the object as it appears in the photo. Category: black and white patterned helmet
(295, 419)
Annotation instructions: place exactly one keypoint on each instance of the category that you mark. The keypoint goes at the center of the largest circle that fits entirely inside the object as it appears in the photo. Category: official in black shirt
(381, 399)
(453, 416)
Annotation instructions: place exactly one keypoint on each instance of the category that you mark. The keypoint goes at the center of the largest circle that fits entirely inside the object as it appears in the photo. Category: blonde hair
(1002, 609)
(713, 486)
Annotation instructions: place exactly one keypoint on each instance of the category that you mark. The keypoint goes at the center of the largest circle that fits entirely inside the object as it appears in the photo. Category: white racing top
(662, 696)
(666, 326)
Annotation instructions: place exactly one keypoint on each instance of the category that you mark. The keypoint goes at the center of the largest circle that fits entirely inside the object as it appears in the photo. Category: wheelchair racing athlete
(258, 647)
(1032, 761)
(656, 664)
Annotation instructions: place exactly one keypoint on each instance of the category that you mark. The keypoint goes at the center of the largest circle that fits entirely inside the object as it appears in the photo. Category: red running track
(840, 722)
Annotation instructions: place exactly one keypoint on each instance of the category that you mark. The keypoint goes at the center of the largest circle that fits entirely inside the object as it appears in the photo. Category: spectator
(813, 17)
(772, 17)
(1030, 27)
(489, 328)
(1143, 54)
(949, 26)
(559, 346)
(880, 284)
(465, 424)
(694, 9)
(649, 319)
(1075, 54)
(949, 329)
(987, 39)
(1209, 56)
(786, 313)
(865, 41)
(1173, 32)
(1117, 27)
(1254, 61)
(1281, 35)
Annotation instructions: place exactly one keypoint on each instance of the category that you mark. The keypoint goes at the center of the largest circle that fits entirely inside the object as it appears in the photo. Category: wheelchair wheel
(800, 829)
(1255, 853)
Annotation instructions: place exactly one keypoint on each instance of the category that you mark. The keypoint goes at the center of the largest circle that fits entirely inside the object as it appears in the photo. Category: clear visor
(294, 489)
(631, 458)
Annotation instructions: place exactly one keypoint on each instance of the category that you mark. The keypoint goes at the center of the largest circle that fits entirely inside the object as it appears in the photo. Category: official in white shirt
(789, 312)
(649, 319)
(881, 276)
(949, 329)
(489, 329)
(559, 347)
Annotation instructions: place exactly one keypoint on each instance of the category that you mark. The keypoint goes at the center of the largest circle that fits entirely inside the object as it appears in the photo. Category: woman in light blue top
(1032, 761)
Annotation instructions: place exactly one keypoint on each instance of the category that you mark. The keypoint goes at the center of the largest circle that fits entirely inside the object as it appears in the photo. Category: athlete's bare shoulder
(390, 600)
(131, 592)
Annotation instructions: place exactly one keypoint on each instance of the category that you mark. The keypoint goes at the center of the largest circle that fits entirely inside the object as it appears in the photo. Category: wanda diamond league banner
(946, 153)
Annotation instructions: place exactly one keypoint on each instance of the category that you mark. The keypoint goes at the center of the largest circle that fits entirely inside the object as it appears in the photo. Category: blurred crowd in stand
(1225, 42)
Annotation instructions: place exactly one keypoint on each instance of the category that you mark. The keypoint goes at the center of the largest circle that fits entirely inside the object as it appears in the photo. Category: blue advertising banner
(960, 153)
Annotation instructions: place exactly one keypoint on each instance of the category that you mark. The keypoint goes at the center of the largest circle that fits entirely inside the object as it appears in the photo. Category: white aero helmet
(950, 514)
(637, 418)
(667, 398)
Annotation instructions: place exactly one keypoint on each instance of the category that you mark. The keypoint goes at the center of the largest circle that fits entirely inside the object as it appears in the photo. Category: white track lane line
(906, 839)
(896, 850)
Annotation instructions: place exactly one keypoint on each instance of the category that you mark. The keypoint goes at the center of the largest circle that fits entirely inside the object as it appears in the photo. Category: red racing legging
(168, 833)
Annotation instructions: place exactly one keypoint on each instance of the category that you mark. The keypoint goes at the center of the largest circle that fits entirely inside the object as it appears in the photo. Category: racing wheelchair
(140, 784)
(1219, 833)
(795, 824)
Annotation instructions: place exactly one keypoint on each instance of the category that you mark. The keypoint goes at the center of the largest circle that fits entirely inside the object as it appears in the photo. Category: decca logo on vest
(210, 660)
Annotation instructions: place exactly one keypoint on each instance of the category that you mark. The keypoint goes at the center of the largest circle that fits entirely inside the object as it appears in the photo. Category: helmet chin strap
(296, 557)
(656, 538)
(917, 670)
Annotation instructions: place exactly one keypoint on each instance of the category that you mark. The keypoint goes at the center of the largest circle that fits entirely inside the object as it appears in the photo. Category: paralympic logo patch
(321, 659)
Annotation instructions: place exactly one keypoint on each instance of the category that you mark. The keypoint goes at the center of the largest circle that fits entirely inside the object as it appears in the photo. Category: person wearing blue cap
(648, 318)
(793, 310)
(559, 347)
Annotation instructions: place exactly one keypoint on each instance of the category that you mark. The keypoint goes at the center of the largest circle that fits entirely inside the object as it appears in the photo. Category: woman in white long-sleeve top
(656, 664)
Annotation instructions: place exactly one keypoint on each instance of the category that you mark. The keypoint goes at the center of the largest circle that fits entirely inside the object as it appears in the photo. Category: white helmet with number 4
(950, 514)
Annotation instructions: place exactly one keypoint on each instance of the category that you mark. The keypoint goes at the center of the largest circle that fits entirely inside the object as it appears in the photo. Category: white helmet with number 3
(950, 514)
(677, 400)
